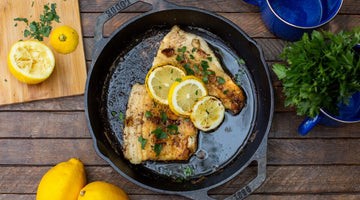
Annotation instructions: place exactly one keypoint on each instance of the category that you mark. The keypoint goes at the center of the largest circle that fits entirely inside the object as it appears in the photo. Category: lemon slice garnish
(159, 80)
(31, 61)
(184, 94)
(207, 113)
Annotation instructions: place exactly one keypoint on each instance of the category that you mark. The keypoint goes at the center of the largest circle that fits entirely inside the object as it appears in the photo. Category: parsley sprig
(323, 71)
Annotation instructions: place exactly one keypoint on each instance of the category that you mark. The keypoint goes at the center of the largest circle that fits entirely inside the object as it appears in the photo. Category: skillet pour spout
(124, 58)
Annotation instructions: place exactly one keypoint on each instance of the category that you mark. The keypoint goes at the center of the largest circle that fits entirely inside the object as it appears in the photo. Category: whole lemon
(64, 39)
(100, 190)
(62, 182)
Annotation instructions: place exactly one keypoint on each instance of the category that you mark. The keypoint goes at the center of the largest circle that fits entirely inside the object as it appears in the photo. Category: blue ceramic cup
(290, 19)
(347, 113)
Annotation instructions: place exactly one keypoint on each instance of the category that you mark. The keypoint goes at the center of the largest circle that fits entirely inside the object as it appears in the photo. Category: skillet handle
(157, 5)
(260, 157)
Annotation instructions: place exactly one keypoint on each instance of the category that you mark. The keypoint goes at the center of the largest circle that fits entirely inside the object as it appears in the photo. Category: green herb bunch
(39, 30)
(322, 72)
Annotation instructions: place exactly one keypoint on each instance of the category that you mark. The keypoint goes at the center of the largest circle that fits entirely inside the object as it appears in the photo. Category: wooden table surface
(325, 164)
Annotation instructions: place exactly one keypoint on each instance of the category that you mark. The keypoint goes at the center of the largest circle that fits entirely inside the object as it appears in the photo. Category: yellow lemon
(184, 94)
(100, 190)
(159, 80)
(64, 39)
(31, 61)
(207, 113)
(62, 182)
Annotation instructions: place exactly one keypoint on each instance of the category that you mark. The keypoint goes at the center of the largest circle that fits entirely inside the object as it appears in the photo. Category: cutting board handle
(157, 5)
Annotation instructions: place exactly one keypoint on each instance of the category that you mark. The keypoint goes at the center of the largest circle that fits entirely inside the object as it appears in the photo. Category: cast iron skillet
(124, 59)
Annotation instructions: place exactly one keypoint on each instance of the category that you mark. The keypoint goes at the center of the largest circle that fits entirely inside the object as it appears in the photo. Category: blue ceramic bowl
(290, 19)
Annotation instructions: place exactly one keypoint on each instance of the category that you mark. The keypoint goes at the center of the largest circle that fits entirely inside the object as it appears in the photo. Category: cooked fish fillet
(191, 51)
(143, 117)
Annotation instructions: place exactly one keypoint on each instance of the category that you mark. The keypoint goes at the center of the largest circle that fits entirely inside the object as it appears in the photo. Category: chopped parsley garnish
(148, 114)
(207, 111)
(178, 79)
(209, 58)
(172, 71)
(113, 113)
(196, 68)
(188, 70)
(192, 57)
(160, 134)
(193, 49)
(182, 49)
(5, 80)
(187, 119)
(121, 117)
(221, 80)
(226, 91)
(173, 129)
(163, 116)
(157, 149)
(196, 92)
(205, 79)
(39, 30)
(241, 61)
(188, 171)
(143, 141)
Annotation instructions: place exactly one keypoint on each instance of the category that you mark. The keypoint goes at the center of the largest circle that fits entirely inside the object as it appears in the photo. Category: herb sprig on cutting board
(41, 29)
(322, 71)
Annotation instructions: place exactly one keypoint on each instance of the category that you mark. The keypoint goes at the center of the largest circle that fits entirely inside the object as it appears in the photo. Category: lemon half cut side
(31, 61)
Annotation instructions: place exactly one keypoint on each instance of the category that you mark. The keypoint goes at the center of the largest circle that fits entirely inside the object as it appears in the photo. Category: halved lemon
(207, 113)
(31, 61)
(159, 80)
(64, 39)
(184, 94)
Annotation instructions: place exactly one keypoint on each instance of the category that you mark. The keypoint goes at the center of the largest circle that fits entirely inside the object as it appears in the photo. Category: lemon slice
(31, 61)
(208, 113)
(184, 94)
(159, 80)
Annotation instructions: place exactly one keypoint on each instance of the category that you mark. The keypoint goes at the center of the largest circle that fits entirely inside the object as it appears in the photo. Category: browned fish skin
(199, 60)
(175, 147)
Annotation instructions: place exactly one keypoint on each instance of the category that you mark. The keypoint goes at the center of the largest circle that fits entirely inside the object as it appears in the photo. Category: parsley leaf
(157, 149)
(163, 116)
(221, 80)
(160, 134)
(173, 129)
(143, 141)
(148, 114)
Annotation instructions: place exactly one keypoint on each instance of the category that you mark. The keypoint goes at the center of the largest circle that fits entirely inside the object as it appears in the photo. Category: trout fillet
(143, 139)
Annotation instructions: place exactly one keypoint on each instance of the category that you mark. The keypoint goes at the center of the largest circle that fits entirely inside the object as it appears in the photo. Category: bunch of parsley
(323, 71)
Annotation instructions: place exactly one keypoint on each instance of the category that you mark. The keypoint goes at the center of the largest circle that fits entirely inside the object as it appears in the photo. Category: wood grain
(283, 179)
(280, 151)
(69, 75)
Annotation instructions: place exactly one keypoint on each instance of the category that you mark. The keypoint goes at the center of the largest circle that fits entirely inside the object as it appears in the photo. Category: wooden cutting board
(69, 75)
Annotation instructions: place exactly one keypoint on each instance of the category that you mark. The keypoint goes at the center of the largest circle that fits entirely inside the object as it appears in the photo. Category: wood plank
(313, 151)
(280, 151)
(349, 6)
(69, 75)
(280, 179)
(212, 5)
(43, 125)
(251, 197)
(51, 125)
(251, 23)
(47, 151)
(73, 103)
(285, 125)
